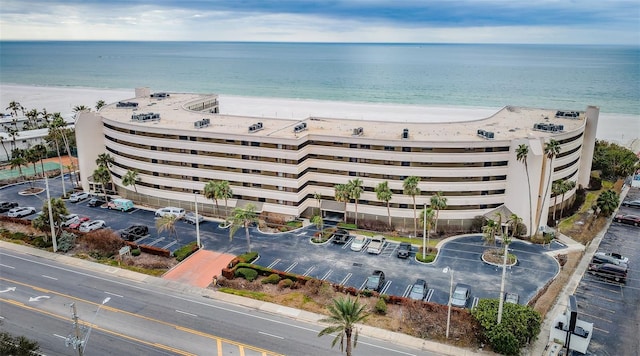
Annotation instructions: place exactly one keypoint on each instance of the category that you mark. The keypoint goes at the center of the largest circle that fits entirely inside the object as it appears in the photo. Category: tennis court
(8, 173)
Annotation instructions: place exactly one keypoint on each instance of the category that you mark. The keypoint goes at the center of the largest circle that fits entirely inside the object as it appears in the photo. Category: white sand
(620, 128)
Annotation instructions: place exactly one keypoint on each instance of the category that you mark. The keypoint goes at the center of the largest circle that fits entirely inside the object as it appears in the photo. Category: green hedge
(347, 226)
(273, 278)
(247, 257)
(246, 273)
(265, 271)
(185, 251)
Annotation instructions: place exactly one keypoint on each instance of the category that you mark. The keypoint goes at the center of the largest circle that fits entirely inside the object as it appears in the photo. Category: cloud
(492, 21)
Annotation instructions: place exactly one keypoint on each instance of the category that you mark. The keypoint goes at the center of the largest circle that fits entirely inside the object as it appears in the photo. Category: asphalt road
(150, 317)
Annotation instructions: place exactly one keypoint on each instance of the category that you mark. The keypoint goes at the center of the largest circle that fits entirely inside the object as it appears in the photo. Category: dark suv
(134, 232)
(7, 205)
(404, 250)
(609, 271)
(375, 282)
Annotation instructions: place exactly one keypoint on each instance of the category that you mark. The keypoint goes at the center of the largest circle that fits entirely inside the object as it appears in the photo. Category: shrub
(185, 251)
(246, 273)
(103, 242)
(272, 279)
(285, 283)
(247, 257)
(347, 226)
(431, 255)
(66, 241)
(366, 293)
(135, 252)
(381, 306)
(595, 183)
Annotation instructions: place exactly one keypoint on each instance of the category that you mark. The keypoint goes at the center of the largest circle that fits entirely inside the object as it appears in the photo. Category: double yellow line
(219, 340)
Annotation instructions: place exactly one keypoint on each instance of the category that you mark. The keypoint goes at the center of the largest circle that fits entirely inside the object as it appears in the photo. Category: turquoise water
(549, 76)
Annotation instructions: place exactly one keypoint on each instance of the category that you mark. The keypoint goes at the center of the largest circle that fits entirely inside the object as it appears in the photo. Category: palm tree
(384, 193)
(14, 107)
(31, 156)
(318, 197)
(32, 120)
(608, 202)
(438, 201)
(522, 153)
(342, 195)
(101, 175)
(210, 193)
(428, 214)
(410, 187)
(489, 232)
(130, 178)
(318, 222)
(243, 217)
(17, 160)
(567, 186)
(42, 154)
(551, 150)
(79, 108)
(556, 190)
(13, 133)
(58, 211)
(223, 191)
(55, 136)
(100, 104)
(167, 222)
(514, 221)
(106, 160)
(355, 191)
(345, 313)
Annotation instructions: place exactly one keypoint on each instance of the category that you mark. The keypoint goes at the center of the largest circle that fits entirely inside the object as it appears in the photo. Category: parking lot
(294, 252)
(613, 307)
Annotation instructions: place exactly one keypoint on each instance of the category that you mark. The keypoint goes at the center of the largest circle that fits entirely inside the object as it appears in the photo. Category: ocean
(443, 75)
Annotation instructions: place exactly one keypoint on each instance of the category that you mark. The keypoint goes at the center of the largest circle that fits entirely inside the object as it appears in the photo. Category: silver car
(191, 218)
(92, 225)
(21, 211)
(461, 295)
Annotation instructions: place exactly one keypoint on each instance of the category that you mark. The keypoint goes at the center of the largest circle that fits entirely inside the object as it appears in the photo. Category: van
(120, 204)
(609, 271)
(170, 210)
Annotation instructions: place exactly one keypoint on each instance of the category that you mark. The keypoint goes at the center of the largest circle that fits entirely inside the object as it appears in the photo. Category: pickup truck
(376, 245)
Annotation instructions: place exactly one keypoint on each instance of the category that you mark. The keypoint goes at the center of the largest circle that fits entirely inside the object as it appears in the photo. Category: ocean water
(456, 75)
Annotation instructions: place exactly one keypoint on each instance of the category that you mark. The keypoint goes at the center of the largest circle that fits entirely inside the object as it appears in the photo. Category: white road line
(45, 276)
(113, 294)
(601, 330)
(60, 336)
(170, 244)
(184, 312)
(596, 317)
(7, 266)
(293, 265)
(276, 336)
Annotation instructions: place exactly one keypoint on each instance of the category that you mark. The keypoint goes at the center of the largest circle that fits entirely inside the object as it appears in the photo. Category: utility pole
(76, 341)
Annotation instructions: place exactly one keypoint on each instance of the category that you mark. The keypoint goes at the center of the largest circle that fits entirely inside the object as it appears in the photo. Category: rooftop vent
(358, 131)
(548, 127)
(160, 95)
(485, 134)
(202, 123)
(300, 127)
(126, 104)
(568, 114)
(145, 117)
(405, 134)
(255, 127)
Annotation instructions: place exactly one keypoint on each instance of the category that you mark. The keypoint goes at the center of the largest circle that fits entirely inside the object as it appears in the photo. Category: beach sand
(620, 128)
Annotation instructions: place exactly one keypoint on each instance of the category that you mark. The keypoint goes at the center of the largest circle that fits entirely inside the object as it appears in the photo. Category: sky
(395, 21)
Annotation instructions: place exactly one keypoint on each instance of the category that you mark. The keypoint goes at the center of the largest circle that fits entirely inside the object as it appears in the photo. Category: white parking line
(326, 275)
(115, 295)
(166, 247)
(274, 263)
(7, 266)
(291, 267)
(429, 295)
(346, 279)
(309, 270)
(385, 287)
(155, 241)
(406, 291)
(595, 317)
(475, 302)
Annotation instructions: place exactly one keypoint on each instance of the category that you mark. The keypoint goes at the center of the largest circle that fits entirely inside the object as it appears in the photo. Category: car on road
(375, 281)
(512, 298)
(21, 211)
(461, 295)
(177, 212)
(7, 205)
(92, 225)
(404, 250)
(76, 225)
(614, 255)
(608, 271)
(358, 243)
(418, 290)
(341, 236)
(191, 218)
(632, 204)
(628, 219)
(95, 201)
(134, 232)
(67, 220)
(78, 196)
(600, 258)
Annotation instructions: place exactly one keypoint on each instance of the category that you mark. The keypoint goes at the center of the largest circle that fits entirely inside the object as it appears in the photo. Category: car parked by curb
(191, 218)
(632, 204)
(7, 205)
(404, 250)
(93, 225)
(628, 219)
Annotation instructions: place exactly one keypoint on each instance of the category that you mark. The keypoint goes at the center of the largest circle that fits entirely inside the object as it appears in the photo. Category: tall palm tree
(514, 221)
(100, 104)
(438, 202)
(31, 156)
(318, 197)
(410, 187)
(79, 108)
(551, 150)
(489, 232)
(567, 186)
(428, 214)
(344, 314)
(384, 193)
(54, 137)
(355, 191)
(32, 120)
(318, 222)
(106, 160)
(223, 191)
(522, 153)
(210, 193)
(15, 107)
(101, 175)
(342, 195)
(243, 217)
(608, 202)
(130, 178)
(167, 223)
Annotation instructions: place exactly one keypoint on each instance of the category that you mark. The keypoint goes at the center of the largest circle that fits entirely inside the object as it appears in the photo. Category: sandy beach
(619, 128)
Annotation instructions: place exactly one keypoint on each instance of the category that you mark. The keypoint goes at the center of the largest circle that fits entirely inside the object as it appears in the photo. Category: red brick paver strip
(199, 268)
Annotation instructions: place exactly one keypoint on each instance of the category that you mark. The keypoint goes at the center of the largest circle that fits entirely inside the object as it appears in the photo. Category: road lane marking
(45, 276)
(186, 313)
(7, 266)
(115, 295)
(60, 336)
(276, 336)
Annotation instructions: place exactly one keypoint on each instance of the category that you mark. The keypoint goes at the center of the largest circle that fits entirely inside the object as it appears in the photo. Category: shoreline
(611, 127)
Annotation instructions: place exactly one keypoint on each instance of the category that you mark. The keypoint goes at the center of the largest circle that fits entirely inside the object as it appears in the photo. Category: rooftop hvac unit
(160, 95)
(255, 127)
(202, 123)
(145, 117)
(485, 134)
(126, 104)
(300, 127)
(405, 134)
(357, 131)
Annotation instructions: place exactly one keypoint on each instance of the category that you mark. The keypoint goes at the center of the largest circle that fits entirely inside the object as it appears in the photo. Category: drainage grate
(356, 264)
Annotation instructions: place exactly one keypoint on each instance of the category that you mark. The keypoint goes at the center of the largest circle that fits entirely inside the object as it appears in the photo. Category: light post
(53, 230)
(86, 338)
(197, 221)
(450, 271)
(505, 242)
(424, 232)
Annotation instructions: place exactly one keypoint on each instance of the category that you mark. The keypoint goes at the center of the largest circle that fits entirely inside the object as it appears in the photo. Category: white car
(615, 256)
(78, 196)
(191, 218)
(21, 211)
(92, 225)
(177, 212)
(358, 243)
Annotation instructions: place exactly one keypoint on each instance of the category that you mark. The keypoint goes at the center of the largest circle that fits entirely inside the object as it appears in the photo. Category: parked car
(76, 225)
(608, 271)
(511, 298)
(21, 211)
(628, 219)
(191, 218)
(177, 212)
(134, 232)
(615, 255)
(341, 236)
(67, 220)
(404, 250)
(461, 295)
(602, 258)
(92, 225)
(95, 201)
(78, 196)
(7, 205)
(376, 245)
(418, 290)
(632, 203)
(358, 243)
(375, 281)
(120, 204)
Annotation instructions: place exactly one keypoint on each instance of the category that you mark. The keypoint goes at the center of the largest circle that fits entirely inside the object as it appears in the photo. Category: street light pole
(197, 221)
(86, 338)
(504, 272)
(450, 271)
(424, 232)
(53, 230)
